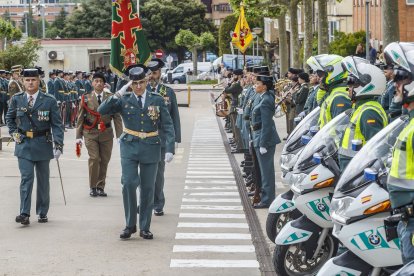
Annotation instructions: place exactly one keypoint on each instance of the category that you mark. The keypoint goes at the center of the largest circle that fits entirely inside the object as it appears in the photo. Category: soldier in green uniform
(43, 86)
(366, 82)
(333, 81)
(87, 83)
(15, 85)
(51, 83)
(143, 114)
(34, 123)
(79, 83)
(170, 99)
(265, 138)
(400, 181)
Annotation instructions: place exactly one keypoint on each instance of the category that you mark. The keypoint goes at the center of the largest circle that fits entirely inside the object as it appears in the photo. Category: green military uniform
(140, 147)
(36, 128)
(337, 102)
(81, 87)
(367, 120)
(299, 98)
(3, 96)
(51, 86)
(245, 116)
(310, 103)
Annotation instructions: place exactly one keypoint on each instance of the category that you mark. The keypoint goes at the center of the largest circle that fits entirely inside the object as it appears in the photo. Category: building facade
(406, 19)
(217, 10)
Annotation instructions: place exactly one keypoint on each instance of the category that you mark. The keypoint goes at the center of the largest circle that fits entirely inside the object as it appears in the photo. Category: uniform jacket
(171, 101)
(81, 87)
(88, 86)
(387, 96)
(146, 119)
(299, 98)
(51, 87)
(60, 89)
(45, 116)
(15, 87)
(264, 129)
(84, 117)
(311, 101)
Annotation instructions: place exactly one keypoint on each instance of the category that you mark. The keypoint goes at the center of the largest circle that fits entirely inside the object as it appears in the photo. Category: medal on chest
(154, 112)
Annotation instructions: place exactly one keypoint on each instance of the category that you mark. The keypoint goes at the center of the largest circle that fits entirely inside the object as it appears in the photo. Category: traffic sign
(159, 53)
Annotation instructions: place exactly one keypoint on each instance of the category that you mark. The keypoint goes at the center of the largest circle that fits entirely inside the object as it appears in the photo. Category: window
(410, 2)
(333, 26)
(222, 8)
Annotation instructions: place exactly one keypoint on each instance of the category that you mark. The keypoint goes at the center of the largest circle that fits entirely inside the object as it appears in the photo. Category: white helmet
(401, 55)
(366, 79)
(329, 68)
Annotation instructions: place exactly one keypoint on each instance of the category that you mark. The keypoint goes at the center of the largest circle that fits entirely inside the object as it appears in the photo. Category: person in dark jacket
(299, 98)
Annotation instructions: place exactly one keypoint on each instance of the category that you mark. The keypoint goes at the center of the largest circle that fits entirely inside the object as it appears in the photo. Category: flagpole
(138, 8)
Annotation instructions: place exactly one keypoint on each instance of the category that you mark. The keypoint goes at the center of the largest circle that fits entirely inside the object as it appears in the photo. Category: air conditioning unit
(55, 55)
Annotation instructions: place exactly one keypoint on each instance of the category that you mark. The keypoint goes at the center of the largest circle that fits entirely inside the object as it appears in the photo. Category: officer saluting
(34, 123)
(143, 113)
(171, 102)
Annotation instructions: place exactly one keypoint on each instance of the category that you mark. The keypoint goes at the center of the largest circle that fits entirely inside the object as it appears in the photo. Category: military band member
(34, 123)
(98, 134)
(15, 85)
(143, 112)
(171, 102)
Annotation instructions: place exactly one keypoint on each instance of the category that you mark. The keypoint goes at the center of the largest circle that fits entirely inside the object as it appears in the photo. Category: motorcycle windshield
(376, 153)
(325, 142)
(294, 141)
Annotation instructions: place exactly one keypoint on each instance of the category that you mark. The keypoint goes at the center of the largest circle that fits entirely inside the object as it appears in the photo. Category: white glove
(124, 88)
(59, 102)
(168, 157)
(79, 141)
(262, 150)
(240, 111)
(57, 153)
(73, 105)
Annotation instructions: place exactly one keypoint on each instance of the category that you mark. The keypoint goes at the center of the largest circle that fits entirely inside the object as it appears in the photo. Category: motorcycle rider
(401, 177)
(333, 81)
(366, 82)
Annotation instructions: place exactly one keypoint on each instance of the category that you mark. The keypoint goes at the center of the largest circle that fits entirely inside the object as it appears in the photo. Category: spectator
(372, 54)
(359, 52)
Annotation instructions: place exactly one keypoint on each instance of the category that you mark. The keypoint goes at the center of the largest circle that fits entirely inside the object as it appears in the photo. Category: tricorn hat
(155, 64)
(99, 75)
(32, 72)
(137, 73)
(139, 65)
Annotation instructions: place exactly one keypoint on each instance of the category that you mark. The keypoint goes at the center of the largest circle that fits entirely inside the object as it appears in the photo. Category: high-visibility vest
(402, 167)
(353, 131)
(325, 115)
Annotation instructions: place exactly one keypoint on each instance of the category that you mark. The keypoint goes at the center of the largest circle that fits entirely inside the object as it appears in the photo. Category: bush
(345, 44)
(25, 54)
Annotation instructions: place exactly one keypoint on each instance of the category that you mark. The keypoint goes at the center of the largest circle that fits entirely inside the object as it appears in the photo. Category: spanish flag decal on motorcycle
(366, 199)
(314, 177)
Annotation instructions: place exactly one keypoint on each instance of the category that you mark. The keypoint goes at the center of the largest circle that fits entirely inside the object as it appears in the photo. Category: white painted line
(208, 172)
(214, 194)
(207, 168)
(210, 188)
(203, 263)
(212, 207)
(212, 225)
(212, 236)
(215, 248)
(211, 164)
(219, 216)
(210, 182)
(209, 176)
(216, 200)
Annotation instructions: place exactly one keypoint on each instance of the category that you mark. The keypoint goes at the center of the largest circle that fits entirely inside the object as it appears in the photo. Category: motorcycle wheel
(289, 260)
(276, 221)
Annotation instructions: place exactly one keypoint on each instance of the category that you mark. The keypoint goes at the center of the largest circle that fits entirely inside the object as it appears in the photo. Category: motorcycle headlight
(339, 208)
(296, 180)
(287, 161)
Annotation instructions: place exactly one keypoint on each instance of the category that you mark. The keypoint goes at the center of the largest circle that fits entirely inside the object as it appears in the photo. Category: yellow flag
(242, 35)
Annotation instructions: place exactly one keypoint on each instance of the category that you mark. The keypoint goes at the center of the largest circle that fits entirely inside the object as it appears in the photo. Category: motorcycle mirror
(313, 130)
(317, 158)
(305, 139)
(356, 145)
(370, 174)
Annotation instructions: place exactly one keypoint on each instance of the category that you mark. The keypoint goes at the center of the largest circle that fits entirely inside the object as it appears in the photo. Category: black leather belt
(32, 134)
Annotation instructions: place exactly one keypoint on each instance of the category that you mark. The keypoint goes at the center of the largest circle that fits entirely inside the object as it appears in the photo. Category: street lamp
(257, 31)
(367, 3)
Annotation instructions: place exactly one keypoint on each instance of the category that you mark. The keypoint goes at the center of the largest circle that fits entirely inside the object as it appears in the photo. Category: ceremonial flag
(128, 43)
(242, 35)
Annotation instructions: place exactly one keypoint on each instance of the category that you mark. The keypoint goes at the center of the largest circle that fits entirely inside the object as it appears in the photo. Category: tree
(344, 44)
(191, 41)
(8, 31)
(25, 54)
(224, 37)
(323, 34)
(390, 23)
(92, 20)
(307, 45)
(294, 33)
(163, 19)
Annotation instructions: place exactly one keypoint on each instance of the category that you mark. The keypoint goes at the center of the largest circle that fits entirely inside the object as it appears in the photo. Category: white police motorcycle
(305, 244)
(360, 205)
(282, 210)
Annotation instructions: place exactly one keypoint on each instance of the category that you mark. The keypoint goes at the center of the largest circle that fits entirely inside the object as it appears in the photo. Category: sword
(61, 182)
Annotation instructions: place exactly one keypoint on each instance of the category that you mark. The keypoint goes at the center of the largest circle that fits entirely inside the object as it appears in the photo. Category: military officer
(15, 85)
(311, 100)
(143, 112)
(79, 83)
(265, 138)
(87, 83)
(388, 95)
(51, 83)
(3, 95)
(60, 90)
(333, 81)
(43, 86)
(98, 134)
(366, 82)
(170, 99)
(34, 123)
(299, 97)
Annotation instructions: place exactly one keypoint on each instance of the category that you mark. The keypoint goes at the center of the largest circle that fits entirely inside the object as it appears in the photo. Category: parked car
(179, 72)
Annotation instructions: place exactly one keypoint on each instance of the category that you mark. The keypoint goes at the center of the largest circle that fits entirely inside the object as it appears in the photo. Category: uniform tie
(99, 99)
(140, 101)
(31, 99)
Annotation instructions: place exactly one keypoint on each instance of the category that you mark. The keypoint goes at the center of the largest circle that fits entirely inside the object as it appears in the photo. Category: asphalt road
(204, 230)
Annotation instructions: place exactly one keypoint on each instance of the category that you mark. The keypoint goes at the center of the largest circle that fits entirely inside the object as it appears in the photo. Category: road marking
(213, 263)
(219, 215)
(209, 176)
(219, 168)
(214, 248)
(210, 188)
(210, 182)
(208, 172)
(212, 225)
(210, 200)
(212, 236)
(214, 194)
(212, 207)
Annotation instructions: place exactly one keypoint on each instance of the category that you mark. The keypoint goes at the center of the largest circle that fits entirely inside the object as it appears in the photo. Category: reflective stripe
(325, 115)
(402, 167)
(353, 131)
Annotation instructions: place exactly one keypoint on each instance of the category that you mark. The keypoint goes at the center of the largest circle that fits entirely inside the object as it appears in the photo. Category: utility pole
(42, 12)
(367, 3)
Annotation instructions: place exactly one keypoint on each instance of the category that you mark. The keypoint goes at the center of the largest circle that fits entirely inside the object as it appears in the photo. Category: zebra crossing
(212, 231)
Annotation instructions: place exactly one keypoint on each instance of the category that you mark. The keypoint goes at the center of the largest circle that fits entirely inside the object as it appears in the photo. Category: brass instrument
(280, 104)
